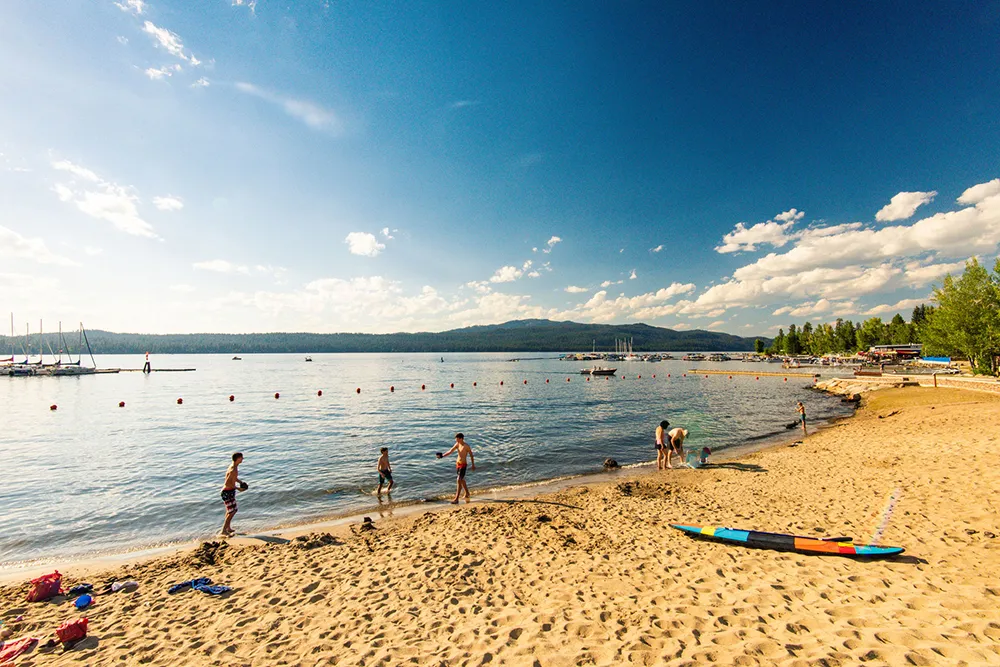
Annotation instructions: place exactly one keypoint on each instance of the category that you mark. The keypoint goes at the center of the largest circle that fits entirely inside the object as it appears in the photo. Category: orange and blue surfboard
(838, 546)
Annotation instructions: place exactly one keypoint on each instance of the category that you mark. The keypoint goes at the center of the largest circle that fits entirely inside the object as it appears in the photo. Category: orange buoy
(392, 388)
(501, 383)
(588, 379)
(121, 404)
(525, 382)
(756, 378)
(423, 387)
(546, 380)
(668, 374)
(473, 384)
(53, 407)
(706, 377)
(567, 379)
(640, 377)
(654, 376)
(452, 385)
(319, 393)
(730, 377)
(685, 375)
(180, 401)
(277, 395)
(359, 390)
(786, 379)
(231, 398)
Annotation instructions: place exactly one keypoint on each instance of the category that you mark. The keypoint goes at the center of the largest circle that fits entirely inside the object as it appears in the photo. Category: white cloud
(222, 266)
(122, 40)
(632, 276)
(481, 286)
(527, 265)
(744, 238)
(158, 74)
(551, 244)
(506, 274)
(168, 203)
(103, 200)
(132, 6)
(609, 283)
(900, 307)
(249, 4)
(14, 245)
(599, 308)
(904, 205)
(657, 248)
(169, 41)
(364, 244)
(715, 325)
(315, 116)
(820, 307)
(573, 289)
(93, 251)
(791, 215)
(201, 83)
(76, 170)
(461, 104)
(918, 274)
(533, 274)
(980, 193)
(183, 288)
(387, 234)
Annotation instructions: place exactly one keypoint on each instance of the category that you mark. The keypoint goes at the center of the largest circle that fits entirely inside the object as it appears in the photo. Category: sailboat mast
(84, 332)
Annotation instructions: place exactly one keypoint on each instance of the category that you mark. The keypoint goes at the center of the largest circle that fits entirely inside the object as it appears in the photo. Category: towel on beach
(10, 650)
(177, 588)
(211, 590)
(81, 590)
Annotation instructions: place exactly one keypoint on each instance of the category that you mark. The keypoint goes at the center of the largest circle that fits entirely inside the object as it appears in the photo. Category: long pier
(696, 371)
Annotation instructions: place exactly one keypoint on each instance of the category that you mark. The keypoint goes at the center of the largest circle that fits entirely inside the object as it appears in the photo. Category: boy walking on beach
(229, 492)
(801, 409)
(661, 450)
(384, 472)
(464, 451)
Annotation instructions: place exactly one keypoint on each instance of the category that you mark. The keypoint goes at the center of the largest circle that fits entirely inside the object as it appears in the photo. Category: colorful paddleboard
(838, 546)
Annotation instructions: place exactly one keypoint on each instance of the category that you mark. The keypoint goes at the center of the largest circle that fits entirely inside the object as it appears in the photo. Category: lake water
(92, 478)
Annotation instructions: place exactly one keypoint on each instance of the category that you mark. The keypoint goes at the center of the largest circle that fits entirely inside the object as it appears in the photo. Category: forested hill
(515, 336)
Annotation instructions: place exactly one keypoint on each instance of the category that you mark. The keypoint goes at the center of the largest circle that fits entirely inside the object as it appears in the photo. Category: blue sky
(232, 166)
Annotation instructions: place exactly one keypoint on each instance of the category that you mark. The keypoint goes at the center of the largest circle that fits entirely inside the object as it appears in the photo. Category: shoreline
(593, 572)
(287, 531)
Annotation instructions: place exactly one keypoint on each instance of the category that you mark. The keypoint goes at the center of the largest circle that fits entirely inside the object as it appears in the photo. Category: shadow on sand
(528, 500)
(744, 467)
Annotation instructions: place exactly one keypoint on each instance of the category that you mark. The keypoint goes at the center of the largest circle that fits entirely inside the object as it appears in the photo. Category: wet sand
(593, 574)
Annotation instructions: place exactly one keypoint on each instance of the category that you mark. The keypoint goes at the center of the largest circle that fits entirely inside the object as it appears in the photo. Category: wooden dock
(695, 371)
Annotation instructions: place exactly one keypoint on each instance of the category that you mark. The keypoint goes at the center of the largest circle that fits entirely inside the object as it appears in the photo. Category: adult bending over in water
(464, 451)
(675, 444)
(661, 449)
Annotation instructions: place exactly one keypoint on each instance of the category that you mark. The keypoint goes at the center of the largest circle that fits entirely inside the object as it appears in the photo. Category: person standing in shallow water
(801, 409)
(661, 449)
(229, 492)
(464, 452)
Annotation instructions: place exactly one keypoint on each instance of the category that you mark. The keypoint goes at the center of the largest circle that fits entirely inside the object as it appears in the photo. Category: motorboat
(599, 370)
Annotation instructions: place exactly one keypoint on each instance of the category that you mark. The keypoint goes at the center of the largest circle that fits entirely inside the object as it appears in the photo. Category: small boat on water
(237, 358)
(309, 358)
(696, 356)
(719, 357)
(598, 370)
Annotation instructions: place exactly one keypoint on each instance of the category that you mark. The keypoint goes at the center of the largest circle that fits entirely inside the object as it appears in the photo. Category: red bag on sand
(72, 630)
(45, 587)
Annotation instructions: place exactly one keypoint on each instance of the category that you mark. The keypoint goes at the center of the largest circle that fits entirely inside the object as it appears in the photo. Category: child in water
(384, 472)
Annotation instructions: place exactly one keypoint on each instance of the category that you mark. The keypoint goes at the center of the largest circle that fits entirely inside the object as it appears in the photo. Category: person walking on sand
(384, 472)
(464, 452)
(801, 409)
(661, 450)
(675, 444)
(229, 492)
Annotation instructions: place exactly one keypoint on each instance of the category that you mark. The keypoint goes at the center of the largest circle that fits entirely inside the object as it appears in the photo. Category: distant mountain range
(514, 336)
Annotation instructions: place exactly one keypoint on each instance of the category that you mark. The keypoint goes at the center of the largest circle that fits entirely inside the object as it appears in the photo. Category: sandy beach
(593, 574)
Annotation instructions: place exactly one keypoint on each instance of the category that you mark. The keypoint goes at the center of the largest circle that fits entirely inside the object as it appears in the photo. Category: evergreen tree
(758, 346)
(899, 332)
(871, 332)
(792, 343)
(778, 344)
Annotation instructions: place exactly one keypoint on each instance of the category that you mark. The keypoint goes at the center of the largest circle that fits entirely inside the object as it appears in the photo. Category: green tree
(966, 321)
(871, 332)
(899, 332)
(845, 339)
(822, 339)
(778, 344)
(758, 346)
(792, 343)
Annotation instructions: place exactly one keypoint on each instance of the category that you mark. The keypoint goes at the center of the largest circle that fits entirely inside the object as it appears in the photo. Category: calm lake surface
(92, 478)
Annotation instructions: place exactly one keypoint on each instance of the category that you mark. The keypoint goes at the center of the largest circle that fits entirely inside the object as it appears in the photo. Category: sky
(239, 166)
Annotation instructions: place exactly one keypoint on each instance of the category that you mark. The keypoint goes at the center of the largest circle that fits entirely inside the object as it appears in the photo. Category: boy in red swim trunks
(229, 493)
(464, 451)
